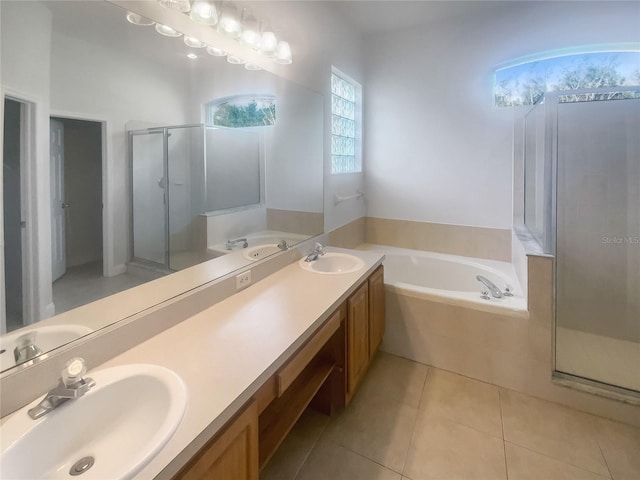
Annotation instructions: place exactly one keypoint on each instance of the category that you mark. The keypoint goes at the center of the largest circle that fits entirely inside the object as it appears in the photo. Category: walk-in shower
(582, 203)
(168, 192)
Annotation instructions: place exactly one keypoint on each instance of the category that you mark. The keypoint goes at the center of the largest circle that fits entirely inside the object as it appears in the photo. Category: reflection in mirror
(234, 168)
(112, 175)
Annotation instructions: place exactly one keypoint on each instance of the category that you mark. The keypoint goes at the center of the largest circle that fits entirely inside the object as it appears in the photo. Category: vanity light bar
(246, 29)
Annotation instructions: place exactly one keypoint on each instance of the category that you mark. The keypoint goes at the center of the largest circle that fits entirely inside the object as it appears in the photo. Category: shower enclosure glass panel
(598, 241)
(186, 189)
(168, 193)
(148, 179)
(534, 172)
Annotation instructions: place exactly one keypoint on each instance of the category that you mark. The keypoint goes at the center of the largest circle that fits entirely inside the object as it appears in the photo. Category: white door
(58, 206)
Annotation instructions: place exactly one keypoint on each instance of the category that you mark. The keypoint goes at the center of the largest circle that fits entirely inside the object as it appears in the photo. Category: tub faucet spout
(495, 291)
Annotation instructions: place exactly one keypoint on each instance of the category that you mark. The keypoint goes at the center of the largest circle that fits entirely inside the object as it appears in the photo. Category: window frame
(358, 161)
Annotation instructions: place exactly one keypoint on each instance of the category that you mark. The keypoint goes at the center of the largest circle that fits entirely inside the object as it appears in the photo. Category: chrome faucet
(26, 348)
(232, 243)
(317, 251)
(283, 245)
(72, 385)
(495, 291)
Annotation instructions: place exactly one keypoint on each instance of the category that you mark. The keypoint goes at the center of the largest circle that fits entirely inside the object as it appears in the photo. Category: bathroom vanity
(325, 372)
(247, 367)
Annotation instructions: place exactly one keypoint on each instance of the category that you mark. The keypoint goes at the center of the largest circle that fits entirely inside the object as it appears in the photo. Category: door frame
(109, 268)
(28, 209)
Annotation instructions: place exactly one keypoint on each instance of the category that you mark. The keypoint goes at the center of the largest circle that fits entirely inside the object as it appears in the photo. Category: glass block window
(345, 151)
(523, 81)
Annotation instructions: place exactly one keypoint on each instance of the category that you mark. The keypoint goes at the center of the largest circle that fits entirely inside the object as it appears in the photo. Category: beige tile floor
(85, 283)
(410, 421)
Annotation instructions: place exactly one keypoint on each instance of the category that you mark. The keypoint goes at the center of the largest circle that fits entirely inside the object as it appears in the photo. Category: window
(345, 124)
(241, 111)
(523, 81)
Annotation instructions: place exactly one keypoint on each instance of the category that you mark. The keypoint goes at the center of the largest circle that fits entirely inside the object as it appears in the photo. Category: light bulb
(251, 66)
(193, 42)
(268, 44)
(166, 31)
(216, 52)
(283, 53)
(204, 11)
(250, 35)
(139, 19)
(179, 5)
(192, 56)
(250, 38)
(229, 23)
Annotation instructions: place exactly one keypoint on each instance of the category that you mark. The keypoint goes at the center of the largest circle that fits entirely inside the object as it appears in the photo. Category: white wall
(25, 75)
(320, 38)
(436, 150)
(118, 88)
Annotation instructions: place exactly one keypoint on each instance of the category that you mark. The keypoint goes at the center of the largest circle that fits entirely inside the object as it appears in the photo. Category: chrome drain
(82, 466)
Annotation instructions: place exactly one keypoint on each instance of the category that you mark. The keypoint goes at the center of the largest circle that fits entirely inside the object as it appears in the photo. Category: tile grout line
(315, 443)
(349, 449)
(415, 423)
(558, 460)
(604, 458)
(504, 442)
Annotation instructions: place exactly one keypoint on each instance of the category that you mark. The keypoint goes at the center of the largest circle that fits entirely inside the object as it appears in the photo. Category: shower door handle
(65, 205)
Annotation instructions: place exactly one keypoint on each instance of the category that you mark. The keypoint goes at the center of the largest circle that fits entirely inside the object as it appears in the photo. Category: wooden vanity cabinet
(365, 328)
(231, 454)
(324, 372)
(376, 309)
(357, 343)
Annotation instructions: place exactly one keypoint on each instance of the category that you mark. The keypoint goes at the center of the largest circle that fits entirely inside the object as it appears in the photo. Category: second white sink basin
(46, 338)
(333, 263)
(121, 423)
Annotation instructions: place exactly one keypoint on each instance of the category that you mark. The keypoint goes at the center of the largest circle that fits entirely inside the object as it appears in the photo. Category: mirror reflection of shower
(167, 195)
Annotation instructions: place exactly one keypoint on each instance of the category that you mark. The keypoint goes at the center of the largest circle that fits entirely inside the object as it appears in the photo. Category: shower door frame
(165, 168)
(550, 238)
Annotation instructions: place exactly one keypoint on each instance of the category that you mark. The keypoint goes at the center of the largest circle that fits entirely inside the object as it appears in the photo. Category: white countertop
(226, 352)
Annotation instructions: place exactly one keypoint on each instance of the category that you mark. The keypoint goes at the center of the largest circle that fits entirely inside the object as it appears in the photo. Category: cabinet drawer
(287, 374)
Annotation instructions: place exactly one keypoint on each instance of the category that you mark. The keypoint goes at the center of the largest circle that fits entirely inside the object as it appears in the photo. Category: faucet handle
(73, 371)
(508, 291)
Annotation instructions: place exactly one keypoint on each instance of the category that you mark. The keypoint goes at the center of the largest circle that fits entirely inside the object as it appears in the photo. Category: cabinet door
(376, 309)
(357, 337)
(233, 454)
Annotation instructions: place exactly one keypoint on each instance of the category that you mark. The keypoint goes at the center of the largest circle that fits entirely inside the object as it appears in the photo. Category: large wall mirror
(114, 175)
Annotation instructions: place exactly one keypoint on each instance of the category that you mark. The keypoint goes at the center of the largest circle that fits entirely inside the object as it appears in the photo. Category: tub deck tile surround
(478, 242)
(462, 429)
(504, 349)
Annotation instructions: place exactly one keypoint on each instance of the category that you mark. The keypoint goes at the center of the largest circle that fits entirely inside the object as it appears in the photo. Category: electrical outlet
(243, 280)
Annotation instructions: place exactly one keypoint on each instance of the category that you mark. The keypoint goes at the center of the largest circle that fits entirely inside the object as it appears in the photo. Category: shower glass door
(149, 197)
(598, 241)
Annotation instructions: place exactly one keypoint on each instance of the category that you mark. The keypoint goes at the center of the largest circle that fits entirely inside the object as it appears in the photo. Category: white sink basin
(260, 251)
(332, 263)
(122, 423)
(46, 339)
